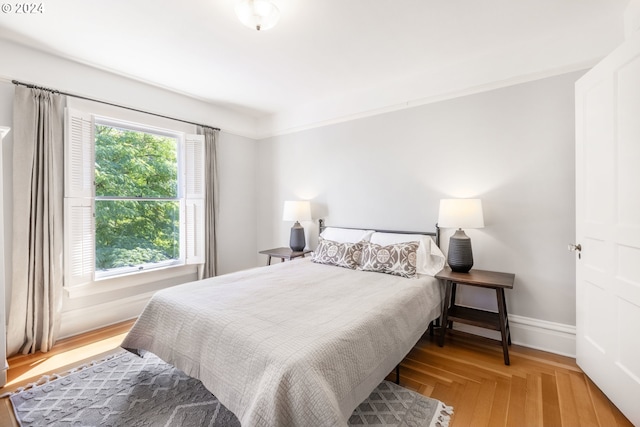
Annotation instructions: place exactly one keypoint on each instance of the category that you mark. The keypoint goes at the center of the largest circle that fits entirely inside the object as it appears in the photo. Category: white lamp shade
(460, 213)
(297, 211)
(257, 14)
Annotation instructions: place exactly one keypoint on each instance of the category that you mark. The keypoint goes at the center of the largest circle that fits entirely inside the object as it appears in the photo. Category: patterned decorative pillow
(398, 259)
(340, 254)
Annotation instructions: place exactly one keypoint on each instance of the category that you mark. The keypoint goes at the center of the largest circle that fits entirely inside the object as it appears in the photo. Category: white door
(608, 226)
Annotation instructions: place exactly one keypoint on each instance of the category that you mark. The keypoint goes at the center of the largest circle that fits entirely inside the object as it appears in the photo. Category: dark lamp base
(296, 241)
(460, 257)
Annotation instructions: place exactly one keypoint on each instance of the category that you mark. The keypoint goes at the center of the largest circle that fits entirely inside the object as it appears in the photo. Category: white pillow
(346, 235)
(430, 259)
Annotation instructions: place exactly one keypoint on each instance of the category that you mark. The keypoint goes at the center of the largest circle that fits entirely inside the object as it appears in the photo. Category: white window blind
(79, 154)
(194, 204)
(79, 241)
(78, 203)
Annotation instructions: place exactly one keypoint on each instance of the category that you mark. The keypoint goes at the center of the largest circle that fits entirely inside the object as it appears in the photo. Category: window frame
(180, 195)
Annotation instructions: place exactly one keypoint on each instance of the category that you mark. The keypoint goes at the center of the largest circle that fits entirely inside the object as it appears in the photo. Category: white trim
(267, 129)
(86, 319)
(4, 130)
(111, 284)
(542, 335)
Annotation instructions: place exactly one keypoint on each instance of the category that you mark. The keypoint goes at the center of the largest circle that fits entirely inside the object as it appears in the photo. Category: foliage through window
(137, 209)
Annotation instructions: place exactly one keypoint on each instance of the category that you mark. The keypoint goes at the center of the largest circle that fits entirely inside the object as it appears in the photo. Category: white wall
(237, 165)
(512, 147)
(237, 158)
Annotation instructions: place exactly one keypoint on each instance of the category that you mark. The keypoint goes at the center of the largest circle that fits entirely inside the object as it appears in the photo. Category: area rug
(127, 390)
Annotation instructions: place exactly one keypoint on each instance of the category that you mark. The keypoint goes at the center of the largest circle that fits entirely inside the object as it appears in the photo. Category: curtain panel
(38, 189)
(210, 266)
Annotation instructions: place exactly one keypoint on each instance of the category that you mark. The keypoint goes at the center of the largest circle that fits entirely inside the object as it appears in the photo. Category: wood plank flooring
(537, 389)
(468, 373)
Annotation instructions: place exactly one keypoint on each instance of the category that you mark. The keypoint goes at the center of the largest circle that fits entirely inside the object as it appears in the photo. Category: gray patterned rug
(127, 390)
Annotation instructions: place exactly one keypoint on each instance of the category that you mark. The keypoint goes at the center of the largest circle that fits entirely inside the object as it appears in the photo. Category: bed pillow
(336, 253)
(430, 258)
(346, 235)
(398, 259)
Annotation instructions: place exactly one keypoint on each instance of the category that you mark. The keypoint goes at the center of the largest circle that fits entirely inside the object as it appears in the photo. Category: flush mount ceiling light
(257, 14)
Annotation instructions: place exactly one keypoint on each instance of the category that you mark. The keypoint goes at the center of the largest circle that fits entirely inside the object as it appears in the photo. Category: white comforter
(292, 344)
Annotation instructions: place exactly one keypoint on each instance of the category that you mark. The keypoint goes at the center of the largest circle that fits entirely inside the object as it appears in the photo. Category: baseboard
(553, 337)
(87, 319)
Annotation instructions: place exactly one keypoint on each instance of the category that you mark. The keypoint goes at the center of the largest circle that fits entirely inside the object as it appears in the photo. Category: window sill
(105, 285)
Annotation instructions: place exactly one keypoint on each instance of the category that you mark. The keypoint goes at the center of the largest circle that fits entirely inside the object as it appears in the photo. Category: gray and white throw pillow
(340, 254)
(398, 259)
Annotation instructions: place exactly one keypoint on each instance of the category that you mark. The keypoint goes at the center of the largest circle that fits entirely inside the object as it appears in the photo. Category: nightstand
(472, 316)
(283, 253)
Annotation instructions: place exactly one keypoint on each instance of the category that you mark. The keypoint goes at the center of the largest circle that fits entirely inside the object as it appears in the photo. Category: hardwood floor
(537, 389)
(468, 373)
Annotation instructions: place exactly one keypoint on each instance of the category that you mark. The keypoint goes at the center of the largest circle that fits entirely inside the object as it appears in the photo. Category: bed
(298, 343)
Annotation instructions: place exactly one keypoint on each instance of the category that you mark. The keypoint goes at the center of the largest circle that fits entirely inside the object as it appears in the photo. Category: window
(134, 198)
(137, 205)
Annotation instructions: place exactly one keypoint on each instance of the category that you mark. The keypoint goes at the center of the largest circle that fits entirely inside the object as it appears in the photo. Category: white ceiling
(326, 59)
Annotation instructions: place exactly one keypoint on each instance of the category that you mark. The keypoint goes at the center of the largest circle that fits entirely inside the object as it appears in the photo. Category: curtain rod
(16, 82)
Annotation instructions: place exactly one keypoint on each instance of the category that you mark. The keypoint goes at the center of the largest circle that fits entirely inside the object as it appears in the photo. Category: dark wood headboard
(435, 234)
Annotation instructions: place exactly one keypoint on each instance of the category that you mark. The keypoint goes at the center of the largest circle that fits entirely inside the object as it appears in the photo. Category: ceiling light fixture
(257, 14)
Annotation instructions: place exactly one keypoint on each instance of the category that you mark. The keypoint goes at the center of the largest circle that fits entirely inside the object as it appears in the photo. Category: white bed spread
(292, 344)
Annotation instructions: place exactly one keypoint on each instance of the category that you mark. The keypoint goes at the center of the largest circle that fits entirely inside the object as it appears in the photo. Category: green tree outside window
(137, 208)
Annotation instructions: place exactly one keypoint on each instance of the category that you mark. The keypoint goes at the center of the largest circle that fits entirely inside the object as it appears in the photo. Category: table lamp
(297, 211)
(460, 213)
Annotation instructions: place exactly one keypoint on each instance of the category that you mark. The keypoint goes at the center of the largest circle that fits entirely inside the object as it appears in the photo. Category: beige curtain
(211, 200)
(38, 174)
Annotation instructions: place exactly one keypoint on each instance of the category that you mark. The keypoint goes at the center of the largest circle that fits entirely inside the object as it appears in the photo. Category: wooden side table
(472, 316)
(283, 254)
